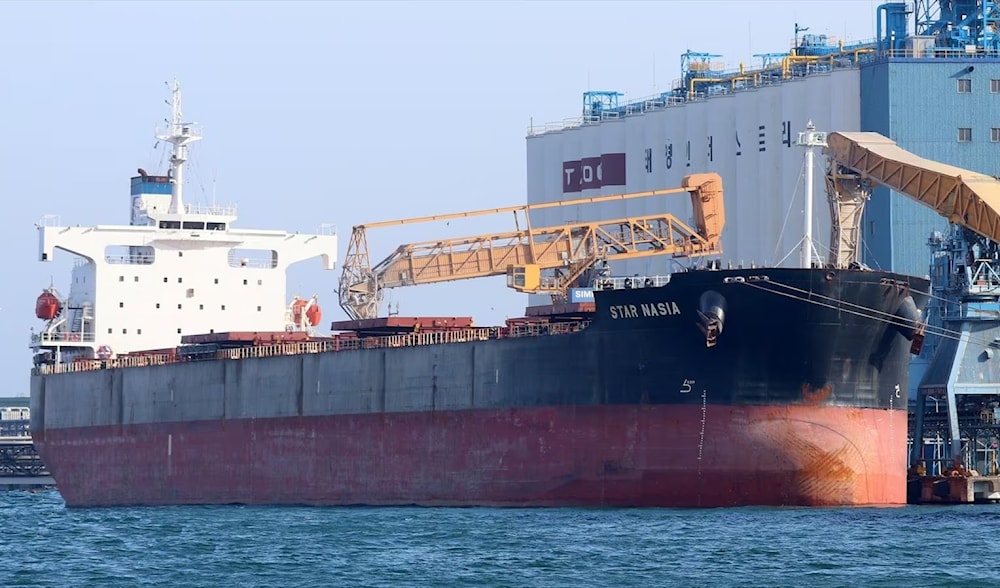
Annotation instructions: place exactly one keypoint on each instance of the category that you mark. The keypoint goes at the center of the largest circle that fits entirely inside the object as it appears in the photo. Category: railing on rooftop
(210, 209)
(776, 69)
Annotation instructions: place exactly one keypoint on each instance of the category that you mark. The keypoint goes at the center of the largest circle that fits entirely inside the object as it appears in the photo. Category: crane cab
(524, 278)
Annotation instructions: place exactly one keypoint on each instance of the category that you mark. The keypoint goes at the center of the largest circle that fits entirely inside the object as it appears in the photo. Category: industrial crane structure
(965, 277)
(547, 260)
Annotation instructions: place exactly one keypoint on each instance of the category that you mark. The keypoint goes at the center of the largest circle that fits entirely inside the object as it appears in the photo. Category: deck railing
(325, 346)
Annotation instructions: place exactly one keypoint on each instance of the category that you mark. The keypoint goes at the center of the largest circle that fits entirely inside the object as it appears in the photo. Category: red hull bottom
(556, 456)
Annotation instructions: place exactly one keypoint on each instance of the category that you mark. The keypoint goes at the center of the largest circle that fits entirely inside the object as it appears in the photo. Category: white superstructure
(175, 270)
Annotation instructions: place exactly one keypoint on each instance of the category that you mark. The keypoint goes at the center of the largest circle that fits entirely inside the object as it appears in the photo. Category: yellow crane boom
(536, 260)
(964, 197)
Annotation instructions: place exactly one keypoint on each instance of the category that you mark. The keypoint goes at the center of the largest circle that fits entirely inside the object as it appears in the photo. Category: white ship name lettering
(629, 311)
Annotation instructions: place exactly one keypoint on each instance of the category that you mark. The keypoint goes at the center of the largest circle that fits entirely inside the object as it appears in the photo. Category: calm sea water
(44, 544)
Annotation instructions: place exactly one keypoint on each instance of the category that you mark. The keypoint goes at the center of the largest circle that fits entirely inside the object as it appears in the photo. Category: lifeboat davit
(47, 306)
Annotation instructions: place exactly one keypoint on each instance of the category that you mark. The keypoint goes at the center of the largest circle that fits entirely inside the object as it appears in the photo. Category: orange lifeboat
(314, 314)
(310, 309)
(47, 306)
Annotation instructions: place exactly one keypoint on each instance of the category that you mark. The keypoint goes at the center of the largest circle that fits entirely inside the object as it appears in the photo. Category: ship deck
(342, 342)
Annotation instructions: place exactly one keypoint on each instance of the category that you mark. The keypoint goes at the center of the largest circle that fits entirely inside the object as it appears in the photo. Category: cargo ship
(176, 372)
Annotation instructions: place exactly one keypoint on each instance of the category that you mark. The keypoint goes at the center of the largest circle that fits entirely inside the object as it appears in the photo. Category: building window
(109, 331)
(258, 309)
(178, 330)
(165, 280)
(179, 280)
(121, 305)
(124, 331)
(138, 331)
(121, 278)
(244, 282)
(260, 282)
(157, 305)
(964, 134)
(201, 307)
(964, 85)
(180, 306)
(137, 278)
(995, 86)
(223, 307)
(995, 134)
(216, 280)
(180, 254)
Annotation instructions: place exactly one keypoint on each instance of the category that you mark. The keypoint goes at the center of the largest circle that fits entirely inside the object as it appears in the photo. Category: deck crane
(965, 272)
(546, 260)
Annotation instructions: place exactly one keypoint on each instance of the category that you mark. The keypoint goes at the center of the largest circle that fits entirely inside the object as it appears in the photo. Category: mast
(810, 139)
(179, 134)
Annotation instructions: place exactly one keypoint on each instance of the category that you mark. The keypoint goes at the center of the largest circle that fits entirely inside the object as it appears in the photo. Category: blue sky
(335, 112)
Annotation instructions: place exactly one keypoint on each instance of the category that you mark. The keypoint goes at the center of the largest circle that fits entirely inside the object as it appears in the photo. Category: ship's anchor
(711, 316)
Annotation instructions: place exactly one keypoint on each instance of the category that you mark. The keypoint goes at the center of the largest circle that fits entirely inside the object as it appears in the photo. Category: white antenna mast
(810, 140)
(179, 134)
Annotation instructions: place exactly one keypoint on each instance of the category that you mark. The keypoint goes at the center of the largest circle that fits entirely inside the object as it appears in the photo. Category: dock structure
(953, 489)
(20, 465)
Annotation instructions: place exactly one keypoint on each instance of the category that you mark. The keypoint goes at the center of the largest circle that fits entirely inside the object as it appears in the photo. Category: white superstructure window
(964, 85)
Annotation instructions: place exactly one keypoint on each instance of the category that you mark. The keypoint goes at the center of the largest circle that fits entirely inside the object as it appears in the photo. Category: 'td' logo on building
(594, 172)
